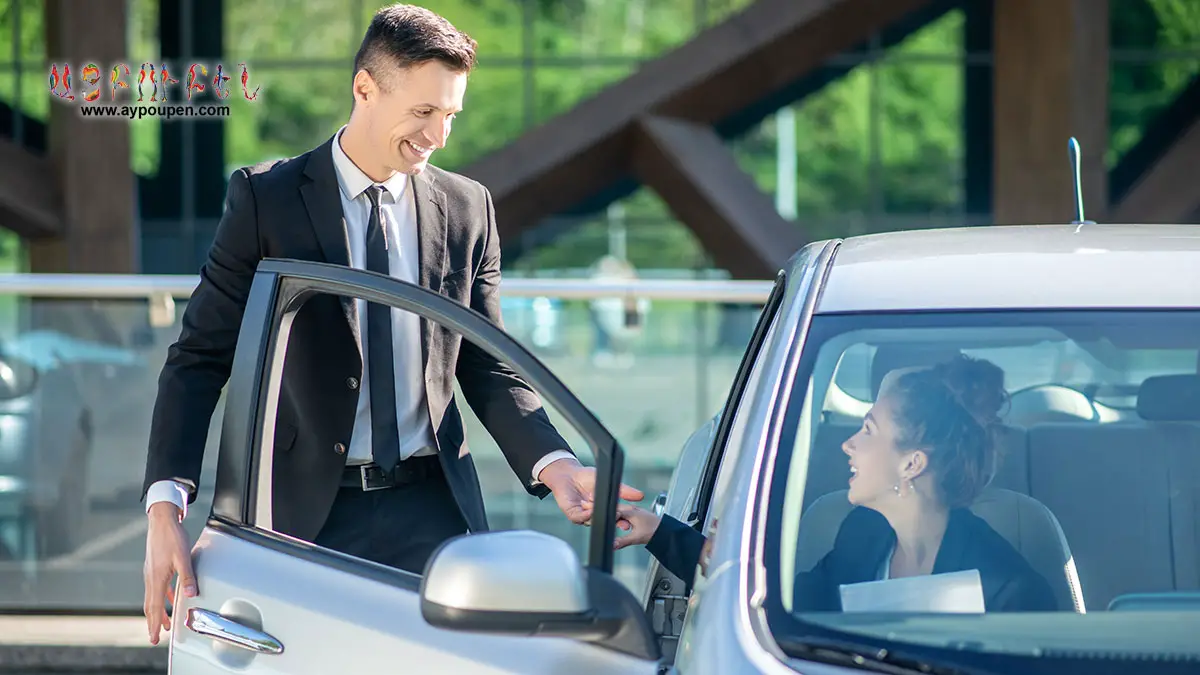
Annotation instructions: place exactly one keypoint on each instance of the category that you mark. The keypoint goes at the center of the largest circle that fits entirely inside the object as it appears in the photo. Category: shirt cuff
(547, 461)
(168, 491)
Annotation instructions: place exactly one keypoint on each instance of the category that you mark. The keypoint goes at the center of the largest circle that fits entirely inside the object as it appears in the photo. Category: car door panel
(356, 617)
(330, 611)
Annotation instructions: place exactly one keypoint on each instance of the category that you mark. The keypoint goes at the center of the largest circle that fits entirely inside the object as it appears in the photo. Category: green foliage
(1140, 90)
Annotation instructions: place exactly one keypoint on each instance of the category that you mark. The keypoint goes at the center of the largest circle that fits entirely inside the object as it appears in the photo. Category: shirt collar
(353, 182)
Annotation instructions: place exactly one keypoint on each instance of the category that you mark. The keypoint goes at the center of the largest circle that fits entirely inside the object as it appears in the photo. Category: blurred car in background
(46, 433)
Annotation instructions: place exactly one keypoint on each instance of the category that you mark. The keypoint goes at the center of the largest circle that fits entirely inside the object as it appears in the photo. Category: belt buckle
(364, 471)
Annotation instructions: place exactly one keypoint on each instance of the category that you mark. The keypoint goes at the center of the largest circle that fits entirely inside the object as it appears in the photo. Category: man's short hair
(402, 36)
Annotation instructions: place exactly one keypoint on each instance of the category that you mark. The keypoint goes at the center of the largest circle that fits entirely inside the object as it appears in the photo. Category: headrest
(1170, 398)
(894, 356)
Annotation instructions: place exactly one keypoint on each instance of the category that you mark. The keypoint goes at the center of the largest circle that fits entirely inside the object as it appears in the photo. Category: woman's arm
(677, 547)
(673, 543)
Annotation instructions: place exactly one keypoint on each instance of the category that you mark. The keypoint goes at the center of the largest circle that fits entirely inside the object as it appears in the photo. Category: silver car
(1096, 329)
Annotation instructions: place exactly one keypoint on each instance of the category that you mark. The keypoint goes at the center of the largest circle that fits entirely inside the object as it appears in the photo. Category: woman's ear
(916, 464)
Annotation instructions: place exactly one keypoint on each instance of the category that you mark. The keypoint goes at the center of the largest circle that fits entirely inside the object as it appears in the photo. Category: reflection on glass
(1065, 490)
(78, 381)
(74, 423)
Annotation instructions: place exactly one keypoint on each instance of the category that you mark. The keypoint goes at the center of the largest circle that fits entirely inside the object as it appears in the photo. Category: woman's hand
(642, 525)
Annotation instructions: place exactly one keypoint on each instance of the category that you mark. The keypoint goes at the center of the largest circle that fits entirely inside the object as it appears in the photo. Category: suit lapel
(324, 206)
(431, 238)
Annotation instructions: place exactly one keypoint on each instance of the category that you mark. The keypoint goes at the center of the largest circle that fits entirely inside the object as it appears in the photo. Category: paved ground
(96, 645)
(78, 631)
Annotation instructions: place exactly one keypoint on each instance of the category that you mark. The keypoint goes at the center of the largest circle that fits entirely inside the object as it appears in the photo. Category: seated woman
(924, 453)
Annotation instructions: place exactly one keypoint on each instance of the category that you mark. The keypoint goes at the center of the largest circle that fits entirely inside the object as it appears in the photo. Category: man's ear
(365, 87)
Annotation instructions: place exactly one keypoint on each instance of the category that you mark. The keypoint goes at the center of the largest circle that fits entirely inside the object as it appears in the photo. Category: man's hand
(167, 554)
(574, 488)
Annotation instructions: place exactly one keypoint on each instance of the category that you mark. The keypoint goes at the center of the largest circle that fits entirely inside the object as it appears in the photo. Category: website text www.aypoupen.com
(137, 112)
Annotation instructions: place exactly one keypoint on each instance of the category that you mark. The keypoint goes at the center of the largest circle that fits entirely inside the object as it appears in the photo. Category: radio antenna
(1074, 154)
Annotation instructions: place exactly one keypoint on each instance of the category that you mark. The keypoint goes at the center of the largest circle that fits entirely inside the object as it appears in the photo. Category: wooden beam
(1166, 193)
(30, 203)
(1050, 83)
(90, 155)
(1151, 183)
(695, 173)
(748, 57)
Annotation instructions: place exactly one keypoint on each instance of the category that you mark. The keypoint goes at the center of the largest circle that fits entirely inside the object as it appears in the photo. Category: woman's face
(876, 465)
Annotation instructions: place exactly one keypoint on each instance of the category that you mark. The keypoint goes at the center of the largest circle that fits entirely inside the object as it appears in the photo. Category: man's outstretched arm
(513, 413)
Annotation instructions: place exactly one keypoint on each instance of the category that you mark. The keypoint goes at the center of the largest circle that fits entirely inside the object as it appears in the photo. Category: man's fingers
(187, 578)
(631, 493)
(578, 514)
(154, 614)
(148, 607)
(152, 625)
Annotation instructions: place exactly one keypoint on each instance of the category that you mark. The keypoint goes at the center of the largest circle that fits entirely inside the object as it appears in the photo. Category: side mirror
(513, 583)
(527, 583)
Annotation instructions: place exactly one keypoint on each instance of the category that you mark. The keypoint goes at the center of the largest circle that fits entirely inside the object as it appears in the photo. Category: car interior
(1102, 498)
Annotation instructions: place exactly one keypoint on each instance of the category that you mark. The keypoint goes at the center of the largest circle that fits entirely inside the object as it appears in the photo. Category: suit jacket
(291, 209)
(863, 543)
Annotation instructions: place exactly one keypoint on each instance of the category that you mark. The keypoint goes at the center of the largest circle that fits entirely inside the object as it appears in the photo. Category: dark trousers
(399, 527)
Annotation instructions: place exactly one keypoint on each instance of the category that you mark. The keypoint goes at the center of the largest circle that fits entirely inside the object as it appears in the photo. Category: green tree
(1141, 90)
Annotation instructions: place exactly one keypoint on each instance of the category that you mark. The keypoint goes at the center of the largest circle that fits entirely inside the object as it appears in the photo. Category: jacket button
(339, 448)
(352, 382)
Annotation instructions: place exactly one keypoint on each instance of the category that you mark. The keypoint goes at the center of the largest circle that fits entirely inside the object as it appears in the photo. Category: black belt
(368, 477)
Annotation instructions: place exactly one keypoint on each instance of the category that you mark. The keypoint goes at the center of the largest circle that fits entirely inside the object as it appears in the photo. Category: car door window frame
(716, 452)
(280, 289)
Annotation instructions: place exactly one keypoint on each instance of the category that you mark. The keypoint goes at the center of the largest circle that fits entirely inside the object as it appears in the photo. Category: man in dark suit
(370, 454)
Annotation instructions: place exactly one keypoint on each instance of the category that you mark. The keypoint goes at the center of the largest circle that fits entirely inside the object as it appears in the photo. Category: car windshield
(1037, 470)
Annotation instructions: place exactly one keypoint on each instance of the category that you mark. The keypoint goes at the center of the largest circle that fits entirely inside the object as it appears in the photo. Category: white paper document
(953, 592)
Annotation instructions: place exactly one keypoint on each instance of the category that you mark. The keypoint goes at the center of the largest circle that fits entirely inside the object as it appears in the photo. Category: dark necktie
(385, 436)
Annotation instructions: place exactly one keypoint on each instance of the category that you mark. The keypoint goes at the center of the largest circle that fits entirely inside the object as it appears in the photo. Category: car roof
(1007, 267)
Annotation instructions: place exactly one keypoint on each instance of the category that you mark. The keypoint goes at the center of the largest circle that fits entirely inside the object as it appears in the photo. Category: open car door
(499, 602)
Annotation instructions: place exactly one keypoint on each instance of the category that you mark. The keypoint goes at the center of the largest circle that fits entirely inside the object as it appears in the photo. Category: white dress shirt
(399, 218)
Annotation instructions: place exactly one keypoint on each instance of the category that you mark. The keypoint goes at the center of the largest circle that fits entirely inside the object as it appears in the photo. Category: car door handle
(213, 625)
